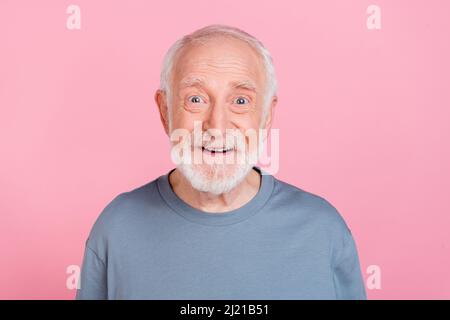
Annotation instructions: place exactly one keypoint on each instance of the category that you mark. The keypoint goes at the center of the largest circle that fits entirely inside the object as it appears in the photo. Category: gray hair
(217, 30)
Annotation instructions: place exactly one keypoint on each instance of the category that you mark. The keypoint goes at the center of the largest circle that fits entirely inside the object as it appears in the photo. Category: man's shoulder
(124, 209)
(142, 195)
(309, 206)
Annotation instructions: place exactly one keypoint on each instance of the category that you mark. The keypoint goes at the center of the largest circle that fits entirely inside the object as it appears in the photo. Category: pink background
(363, 118)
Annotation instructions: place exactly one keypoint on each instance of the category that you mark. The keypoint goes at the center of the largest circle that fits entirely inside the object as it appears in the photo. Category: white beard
(215, 178)
(218, 178)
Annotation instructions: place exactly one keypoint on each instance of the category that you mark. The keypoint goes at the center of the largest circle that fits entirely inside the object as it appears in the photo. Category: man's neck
(209, 202)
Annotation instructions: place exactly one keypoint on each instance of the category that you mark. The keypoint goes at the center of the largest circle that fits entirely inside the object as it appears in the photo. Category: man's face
(222, 85)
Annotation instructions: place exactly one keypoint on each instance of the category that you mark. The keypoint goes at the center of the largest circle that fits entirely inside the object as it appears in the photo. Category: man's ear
(268, 123)
(161, 102)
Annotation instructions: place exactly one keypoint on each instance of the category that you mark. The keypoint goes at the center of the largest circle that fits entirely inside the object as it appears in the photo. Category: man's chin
(215, 178)
(216, 171)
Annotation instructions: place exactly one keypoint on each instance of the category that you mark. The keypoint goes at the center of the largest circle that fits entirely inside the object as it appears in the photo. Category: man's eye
(241, 100)
(195, 99)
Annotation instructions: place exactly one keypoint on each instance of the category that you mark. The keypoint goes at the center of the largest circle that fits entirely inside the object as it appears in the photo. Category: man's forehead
(233, 59)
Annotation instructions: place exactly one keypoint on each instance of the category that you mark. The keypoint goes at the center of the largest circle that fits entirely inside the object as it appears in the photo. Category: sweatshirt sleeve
(93, 282)
(93, 277)
(347, 276)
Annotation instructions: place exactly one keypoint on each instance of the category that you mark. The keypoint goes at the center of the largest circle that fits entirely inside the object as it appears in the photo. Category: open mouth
(217, 150)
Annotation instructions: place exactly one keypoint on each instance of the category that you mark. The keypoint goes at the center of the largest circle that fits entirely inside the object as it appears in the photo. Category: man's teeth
(217, 149)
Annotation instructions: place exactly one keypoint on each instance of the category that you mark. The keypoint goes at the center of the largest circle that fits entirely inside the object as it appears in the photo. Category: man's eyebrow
(197, 81)
(191, 82)
(244, 84)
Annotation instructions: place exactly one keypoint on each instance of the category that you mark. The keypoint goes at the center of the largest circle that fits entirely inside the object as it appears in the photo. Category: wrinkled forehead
(226, 58)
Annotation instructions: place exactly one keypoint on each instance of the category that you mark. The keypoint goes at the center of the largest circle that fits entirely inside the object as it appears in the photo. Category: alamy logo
(374, 279)
(73, 21)
(73, 280)
(232, 147)
(374, 19)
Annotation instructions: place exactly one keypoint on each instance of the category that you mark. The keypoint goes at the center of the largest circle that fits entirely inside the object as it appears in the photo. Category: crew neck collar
(220, 218)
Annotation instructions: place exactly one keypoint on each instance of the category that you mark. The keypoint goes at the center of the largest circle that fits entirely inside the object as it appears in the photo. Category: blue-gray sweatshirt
(285, 243)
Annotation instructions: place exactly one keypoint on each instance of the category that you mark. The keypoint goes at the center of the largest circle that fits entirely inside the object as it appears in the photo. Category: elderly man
(217, 226)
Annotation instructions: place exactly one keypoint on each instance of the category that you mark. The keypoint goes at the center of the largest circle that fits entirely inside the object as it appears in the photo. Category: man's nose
(216, 118)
